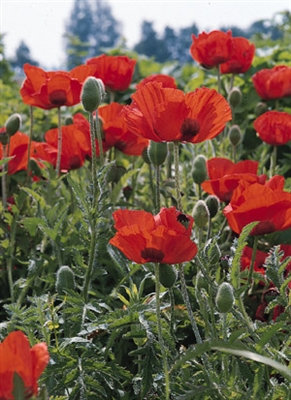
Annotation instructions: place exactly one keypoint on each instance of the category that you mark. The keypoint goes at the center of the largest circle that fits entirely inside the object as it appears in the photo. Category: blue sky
(40, 23)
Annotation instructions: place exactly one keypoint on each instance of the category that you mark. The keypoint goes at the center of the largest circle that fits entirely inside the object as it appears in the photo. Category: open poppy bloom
(18, 148)
(241, 58)
(165, 114)
(224, 176)
(115, 71)
(268, 204)
(53, 89)
(116, 131)
(166, 81)
(211, 49)
(274, 127)
(17, 356)
(273, 83)
(162, 238)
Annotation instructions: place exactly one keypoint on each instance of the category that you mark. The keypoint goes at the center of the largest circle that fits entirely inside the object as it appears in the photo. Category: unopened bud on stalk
(92, 94)
(260, 108)
(3, 136)
(234, 97)
(200, 214)
(157, 152)
(199, 171)
(12, 125)
(168, 275)
(65, 279)
(224, 298)
(212, 252)
(145, 156)
(235, 135)
(213, 204)
(199, 281)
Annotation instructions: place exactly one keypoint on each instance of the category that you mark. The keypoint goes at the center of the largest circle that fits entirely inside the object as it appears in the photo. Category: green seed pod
(260, 108)
(235, 135)
(92, 94)
(213, 204)
(157, 152)
(199, 171)
(234, 97)
(65, 279)
(224, 298)
(145, 156)
(168, 275)
(12, 125)
(200, 282)
(200, 214)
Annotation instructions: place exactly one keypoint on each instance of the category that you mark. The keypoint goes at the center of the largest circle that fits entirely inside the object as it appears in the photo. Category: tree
(5, 70)
(150, 45)
(22, 56)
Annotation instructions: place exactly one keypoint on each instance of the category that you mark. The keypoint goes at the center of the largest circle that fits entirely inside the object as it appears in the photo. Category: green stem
(29, 141)
(99, 138)
(60, 143)
(3, 178)
(157, 188)
(188, 305)
(177, 176)
(93, 160)
(160, 334)
(218, 80)
(169, 159)
(273, 162)
(251, 270)
(10, 259)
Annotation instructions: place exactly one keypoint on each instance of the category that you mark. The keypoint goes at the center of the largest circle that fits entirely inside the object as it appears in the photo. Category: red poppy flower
(245, 261)
(211, 49)
(115, 71)
(241, 58)
(116, 130)
(165, 80)
(17, 356)
(273, 83)
(274, 127)
(53, 89)
(163, 238)
(39, 151)
(224, 176)
(166, 114)
(267, 203)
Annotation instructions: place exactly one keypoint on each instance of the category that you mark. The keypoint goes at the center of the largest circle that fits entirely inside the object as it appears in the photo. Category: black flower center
(151, 254)
(58, 97)
(189, 128)
(183, 219)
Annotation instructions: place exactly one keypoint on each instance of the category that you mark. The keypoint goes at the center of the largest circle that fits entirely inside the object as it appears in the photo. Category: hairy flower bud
(234, 97)
(260, 108)
(92, 94)
(199, 171)
(157, 152)
(199, 281)
(224, 298)
(168, 275)
(213, 204)
(235, 135)
(200, 214)
(12, 125)
(65, 279)
(212, 252)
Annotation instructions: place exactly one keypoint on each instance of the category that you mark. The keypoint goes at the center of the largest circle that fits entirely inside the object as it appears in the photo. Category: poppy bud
(224, 298)
(127, 192)
(92, 94)
(65, 279)
(234, 135)
(261, 108)
(234, 97)
(168, 275)
(200, 281)
(213, 204)
(12, 125)
(212, 252)
(157, 152)
(200, 214)
(69, 120)
(199, 172)
(145, 155)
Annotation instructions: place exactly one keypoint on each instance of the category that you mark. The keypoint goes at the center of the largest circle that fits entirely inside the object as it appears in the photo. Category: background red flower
(241, 58)
(274, 127)
(273, 83)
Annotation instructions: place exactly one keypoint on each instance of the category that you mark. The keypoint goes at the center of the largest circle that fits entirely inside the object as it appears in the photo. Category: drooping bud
(12, 125)
(213, 204)
(199, 171)
(234, 97)
(65, 279)
(168, 275)
(235, 135)
(260, 108)
(92, 94)
(157, 152)
(200, 214)
(224, 298)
